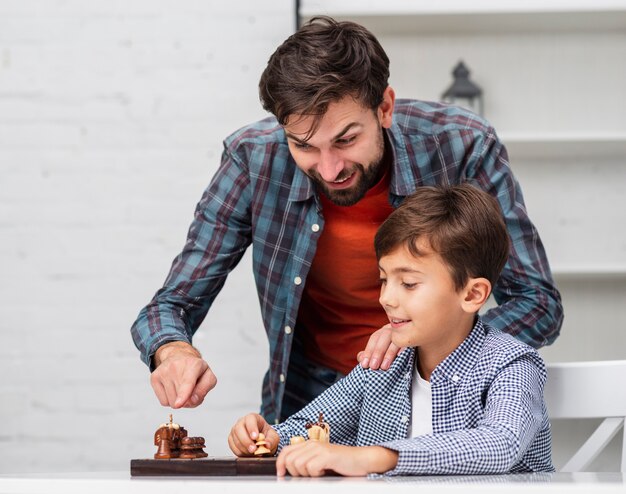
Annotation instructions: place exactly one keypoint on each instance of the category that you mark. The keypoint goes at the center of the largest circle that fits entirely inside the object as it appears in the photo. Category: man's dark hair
(323, 62)
(463, 224)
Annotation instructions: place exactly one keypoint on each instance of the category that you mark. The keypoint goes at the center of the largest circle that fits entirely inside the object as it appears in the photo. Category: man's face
(344, 157)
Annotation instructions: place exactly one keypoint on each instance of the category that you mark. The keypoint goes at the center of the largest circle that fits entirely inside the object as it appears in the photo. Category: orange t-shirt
(339, 308)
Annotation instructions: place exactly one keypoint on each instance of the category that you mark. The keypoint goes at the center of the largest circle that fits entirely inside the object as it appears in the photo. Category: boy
(439, 254)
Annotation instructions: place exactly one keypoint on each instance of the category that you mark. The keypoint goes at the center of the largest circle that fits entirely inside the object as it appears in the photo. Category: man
(308, 189)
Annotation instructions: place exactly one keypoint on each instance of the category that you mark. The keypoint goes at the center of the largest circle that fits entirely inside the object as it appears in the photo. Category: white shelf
(607, 272)
(418, 16)
(565, 145)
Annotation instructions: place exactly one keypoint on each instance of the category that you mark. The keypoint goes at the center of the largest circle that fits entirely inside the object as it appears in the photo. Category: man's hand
(379, 351)
(314, 459)
(182, 377)
(243, 435)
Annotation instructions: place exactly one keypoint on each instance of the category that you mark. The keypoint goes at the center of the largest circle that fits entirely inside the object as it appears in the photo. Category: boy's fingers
(251, 423)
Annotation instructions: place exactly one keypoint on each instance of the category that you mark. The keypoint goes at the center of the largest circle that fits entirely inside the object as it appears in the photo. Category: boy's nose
(386, 298)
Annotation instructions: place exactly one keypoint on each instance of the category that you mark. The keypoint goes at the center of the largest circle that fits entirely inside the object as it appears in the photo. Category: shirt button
(282, 378)
(297, 280)
(315, 227)
(287, 329)
(456, 378)
(404, 419)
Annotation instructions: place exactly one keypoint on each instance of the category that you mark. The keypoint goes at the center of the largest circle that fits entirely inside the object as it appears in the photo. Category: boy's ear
(475, 294)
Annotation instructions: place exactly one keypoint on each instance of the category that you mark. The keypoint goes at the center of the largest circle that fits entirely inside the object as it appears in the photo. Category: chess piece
(296, 440)
(167, 437)
(261, 446)
(192, 447)
(319, 431)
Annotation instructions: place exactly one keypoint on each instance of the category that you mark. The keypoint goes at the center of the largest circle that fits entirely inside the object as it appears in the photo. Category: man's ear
(475, 294)
(385, 110)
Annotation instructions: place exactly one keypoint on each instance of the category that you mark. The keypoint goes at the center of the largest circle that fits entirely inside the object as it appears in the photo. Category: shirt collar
(404, 180)
(302, 187)
(456, 366)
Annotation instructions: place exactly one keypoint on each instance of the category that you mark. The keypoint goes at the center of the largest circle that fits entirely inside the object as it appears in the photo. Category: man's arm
(216, 241)
(529, 303)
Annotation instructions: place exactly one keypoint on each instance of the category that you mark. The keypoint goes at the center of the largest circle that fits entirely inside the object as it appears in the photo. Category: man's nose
(329, 166)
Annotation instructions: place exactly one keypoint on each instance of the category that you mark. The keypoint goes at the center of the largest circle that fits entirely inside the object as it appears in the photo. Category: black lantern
(464, 92)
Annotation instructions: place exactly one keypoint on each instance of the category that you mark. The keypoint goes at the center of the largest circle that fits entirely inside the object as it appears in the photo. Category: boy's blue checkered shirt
(260, 197)
(488, 411)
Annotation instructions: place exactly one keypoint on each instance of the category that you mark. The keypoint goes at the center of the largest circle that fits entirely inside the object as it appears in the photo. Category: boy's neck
(428, 358)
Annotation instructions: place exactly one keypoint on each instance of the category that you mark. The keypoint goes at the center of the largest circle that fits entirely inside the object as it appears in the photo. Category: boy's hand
(313, 459)
(245, 432)
(379, 351)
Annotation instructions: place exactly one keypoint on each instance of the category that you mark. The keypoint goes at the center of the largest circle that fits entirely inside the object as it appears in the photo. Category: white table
(121, 482)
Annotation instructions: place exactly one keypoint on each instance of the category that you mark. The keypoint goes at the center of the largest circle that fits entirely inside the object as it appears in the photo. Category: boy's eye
(409, 286)
(383, 281)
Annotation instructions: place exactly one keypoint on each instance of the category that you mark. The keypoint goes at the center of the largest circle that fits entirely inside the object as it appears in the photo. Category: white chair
(577, 390)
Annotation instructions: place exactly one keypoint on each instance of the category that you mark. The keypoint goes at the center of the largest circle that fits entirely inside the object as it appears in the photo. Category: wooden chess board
(228, 466)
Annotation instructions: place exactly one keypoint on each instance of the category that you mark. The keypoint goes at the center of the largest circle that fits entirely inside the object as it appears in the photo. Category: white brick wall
(112, 115)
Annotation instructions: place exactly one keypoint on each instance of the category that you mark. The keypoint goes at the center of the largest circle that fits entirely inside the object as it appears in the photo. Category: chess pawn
(261, 446)
(191, 447)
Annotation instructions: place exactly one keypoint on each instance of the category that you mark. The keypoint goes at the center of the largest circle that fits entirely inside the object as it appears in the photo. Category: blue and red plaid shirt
(259, 196)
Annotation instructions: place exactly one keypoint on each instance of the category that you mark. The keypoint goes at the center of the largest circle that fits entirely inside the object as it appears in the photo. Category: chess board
(228, 466)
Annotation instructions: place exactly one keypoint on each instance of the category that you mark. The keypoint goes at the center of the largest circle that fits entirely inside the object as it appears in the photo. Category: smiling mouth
(395, 321)
(342, 180)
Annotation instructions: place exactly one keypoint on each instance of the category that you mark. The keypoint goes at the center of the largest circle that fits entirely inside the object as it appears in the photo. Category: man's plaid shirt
(488, 411)
(260, 197)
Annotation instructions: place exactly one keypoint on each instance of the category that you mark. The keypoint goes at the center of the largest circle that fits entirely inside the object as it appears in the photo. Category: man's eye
(343, 142)
(302, 145)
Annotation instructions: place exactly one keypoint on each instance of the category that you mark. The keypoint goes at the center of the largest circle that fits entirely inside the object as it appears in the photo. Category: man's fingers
(170, 391)
(378, 345)
(390, 355)
(366, 355)
(159, 390)
(205, 384)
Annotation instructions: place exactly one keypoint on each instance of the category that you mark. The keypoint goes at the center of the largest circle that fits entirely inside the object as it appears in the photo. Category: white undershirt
(421, 406)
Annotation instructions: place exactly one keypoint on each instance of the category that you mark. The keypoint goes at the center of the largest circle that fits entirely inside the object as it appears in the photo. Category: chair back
(579, 390)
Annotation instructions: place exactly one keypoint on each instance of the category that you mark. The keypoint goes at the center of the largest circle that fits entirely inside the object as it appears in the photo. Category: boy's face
(420, 299)
(344, 157)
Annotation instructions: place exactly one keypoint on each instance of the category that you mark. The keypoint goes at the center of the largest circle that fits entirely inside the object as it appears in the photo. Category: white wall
(112, 115)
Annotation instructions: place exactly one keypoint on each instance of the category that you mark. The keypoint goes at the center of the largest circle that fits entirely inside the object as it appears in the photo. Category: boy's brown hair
(463, 224)
(323, 62)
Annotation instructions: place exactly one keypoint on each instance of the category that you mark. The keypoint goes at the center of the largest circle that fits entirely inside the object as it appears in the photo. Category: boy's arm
(514, 412)
(341, 406)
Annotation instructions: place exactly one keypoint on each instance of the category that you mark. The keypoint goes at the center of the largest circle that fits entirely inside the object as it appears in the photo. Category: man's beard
(368, 178)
